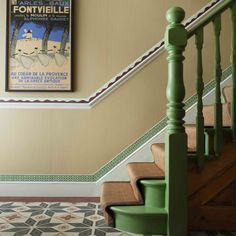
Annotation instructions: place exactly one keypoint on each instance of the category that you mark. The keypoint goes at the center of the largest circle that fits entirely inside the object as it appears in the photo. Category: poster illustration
(39, 45)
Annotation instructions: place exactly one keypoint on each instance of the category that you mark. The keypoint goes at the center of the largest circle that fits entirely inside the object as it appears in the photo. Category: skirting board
(92, 189)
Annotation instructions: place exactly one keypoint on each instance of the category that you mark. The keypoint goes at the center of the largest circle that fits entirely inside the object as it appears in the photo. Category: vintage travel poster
(39, 45)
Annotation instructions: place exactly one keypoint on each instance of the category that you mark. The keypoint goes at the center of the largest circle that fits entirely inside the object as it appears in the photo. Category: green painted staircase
(154, 201)
(139, 206)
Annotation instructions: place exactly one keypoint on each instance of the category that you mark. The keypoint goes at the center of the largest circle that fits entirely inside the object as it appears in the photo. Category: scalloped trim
(111, 85)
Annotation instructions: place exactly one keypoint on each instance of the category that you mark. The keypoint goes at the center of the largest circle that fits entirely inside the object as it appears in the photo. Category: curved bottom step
(140, 219)
(154, 192)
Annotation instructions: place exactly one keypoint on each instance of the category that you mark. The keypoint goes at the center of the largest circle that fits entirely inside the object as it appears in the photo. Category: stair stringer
(212, 193)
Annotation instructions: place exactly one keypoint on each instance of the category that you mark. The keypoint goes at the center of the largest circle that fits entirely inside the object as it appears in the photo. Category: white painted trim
(61, 103)
(48, 189)
(92, 189)
(63, 106)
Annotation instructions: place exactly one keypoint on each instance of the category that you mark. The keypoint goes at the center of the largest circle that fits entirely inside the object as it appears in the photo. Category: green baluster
(218, 139)
(176, 138)
(200, 87)
(233, 63)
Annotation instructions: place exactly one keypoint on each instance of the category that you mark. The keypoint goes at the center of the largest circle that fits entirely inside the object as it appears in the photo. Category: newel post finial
(175, 15)
(176, 138)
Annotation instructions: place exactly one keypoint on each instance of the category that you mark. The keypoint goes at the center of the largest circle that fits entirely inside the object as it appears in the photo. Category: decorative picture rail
(114, 83)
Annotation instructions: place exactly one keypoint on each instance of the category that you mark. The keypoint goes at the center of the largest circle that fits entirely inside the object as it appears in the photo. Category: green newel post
(176, 138)
(233, 63)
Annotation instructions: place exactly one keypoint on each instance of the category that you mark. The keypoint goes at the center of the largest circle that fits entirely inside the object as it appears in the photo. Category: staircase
(195, 170)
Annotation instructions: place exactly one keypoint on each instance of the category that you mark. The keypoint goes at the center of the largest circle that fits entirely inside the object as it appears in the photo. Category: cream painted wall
(108, 35)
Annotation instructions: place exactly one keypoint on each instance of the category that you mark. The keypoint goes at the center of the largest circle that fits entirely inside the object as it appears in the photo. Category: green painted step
(145, 218)
(140, 219)
(154, 193)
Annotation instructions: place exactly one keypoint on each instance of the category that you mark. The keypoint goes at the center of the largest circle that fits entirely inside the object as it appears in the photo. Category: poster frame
(7, 63)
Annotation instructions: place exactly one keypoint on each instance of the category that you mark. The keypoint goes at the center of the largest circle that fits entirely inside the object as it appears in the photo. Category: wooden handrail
(210, 17)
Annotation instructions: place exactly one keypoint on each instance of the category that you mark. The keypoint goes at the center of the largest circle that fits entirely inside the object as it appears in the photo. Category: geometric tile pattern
(56, 219)
(62, 219)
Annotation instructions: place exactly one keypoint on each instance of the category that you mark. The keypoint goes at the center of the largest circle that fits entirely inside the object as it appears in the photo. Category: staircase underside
(212, 192)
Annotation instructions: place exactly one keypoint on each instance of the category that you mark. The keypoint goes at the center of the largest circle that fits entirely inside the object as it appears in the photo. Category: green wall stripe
(119, 158)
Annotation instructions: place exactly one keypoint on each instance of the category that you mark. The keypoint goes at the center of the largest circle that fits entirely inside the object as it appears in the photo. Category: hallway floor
(61, 219)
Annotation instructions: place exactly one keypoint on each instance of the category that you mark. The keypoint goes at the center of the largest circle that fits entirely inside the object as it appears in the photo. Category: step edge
(126, 210)
(153, 182)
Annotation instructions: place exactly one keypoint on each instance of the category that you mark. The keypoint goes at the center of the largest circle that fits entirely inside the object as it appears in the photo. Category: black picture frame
(39, 46)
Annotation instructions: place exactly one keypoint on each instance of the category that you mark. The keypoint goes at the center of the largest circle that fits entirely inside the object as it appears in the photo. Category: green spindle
(233, 63)
(200, 87)
(176, 158)
(218, 138)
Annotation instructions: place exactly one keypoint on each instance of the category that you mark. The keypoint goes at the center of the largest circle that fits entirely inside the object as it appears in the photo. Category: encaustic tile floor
(62, 219)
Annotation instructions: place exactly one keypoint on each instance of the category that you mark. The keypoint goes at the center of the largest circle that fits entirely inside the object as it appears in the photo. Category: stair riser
(154, 193)
(141, 224)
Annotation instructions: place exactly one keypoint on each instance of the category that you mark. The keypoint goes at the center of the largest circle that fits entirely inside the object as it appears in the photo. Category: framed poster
(39, 45)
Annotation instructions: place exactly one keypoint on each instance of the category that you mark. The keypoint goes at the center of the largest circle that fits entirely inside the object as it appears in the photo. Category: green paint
(149, 218)
(233, 63)
(218, 124)
(165, 206)
(140, 219)
(206, 19)
(200, 87)
(207, 141)
(154, 193)
(176, 158)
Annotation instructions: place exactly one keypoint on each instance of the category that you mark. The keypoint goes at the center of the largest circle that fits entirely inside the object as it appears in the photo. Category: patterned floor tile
(62, 219)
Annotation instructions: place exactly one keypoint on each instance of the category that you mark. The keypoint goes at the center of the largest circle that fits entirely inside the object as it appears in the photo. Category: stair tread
(139, 210)
(208, 113)
(144, 170)
(116, 193)
(158, 150)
